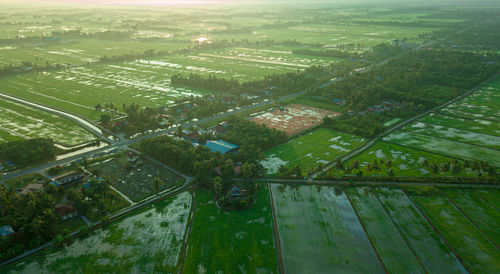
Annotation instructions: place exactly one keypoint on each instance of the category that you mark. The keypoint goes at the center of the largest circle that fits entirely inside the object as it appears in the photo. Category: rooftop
(220, 146)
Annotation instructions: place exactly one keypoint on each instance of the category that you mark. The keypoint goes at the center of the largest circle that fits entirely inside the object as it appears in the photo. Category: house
(220, 129)
(238, 192)
(193, 136)
(6, 230)
(221, 146)
(31, 188)
(339, 101)
(66, 211)
(67, 178)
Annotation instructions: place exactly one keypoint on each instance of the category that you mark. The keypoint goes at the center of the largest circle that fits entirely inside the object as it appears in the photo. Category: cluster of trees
(210, 83)
(26, 152)
(366, 126)
(379, 51)
(140, 119)
(419, 79)
(244, 132)
(95, 197)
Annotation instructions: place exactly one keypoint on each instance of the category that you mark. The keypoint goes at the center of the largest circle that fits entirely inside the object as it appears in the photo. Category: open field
(404, 161)
(231, 241)
(135, 179)
(77, 52)
(294, 118)
(477, 252)
(420, 235)
(478, 210)
(451, 133)
(318, 147)
(475, 125)
(445, 147)
(397, 256)
(148, 241)
(319, 231)
(28, 123)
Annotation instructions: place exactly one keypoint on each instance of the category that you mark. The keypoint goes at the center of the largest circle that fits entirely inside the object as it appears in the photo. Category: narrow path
(436, 230)
(277, 241)
(186, 238)
(366, 232)
(122, 195)
(403, 236)
(457, 208)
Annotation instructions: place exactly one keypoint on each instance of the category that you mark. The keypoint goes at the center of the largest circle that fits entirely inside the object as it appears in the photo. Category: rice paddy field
(231, 241)
(318, 147)
(147, 81)
(149, 241)
(319, 232)
(406, 161)
(476, 251)
(396, 254)
(23, 122)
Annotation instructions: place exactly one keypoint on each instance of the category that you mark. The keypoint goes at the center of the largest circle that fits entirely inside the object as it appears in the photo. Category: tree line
(26, 152)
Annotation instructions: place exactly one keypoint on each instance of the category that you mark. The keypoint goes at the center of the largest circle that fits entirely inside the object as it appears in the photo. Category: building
(31, 188)
(67, 178)
(6, 230)
(238, 192)
(66, 211)
(221, 146)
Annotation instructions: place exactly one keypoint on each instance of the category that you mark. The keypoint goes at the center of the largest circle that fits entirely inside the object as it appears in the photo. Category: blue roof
(6, 230)
(220, 146)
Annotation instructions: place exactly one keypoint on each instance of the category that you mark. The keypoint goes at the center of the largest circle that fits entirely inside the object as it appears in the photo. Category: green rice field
(319, 231)
(395, 252)
(478, 254)
(26, 122)
(231, 241)
(318, 147)
(148, 241)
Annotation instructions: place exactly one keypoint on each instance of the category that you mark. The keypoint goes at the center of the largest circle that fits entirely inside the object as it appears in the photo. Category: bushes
(26, 152)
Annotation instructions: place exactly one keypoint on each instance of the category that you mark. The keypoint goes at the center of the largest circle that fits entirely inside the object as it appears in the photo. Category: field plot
(318, 147)
(485, 216)
(427, 244)
(475, 125)
(293, 118)
(478, 254)
(26, 122)
(77, 52)
(136, 179)
(491, 196)
(320, 232)
(231, 241)
(445, 147)
(404, 161)
(394, 251)
(147, 242)
(454, 134)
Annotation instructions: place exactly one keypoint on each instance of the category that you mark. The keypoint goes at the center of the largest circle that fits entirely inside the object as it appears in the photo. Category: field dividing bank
(318, 147)
(445, 147)
(148, 241)
(478, 211)
(427, 244)
(27, 123)
(477, 253)
(492, 197)
(319, 232)
(397, 255)
(231, 241)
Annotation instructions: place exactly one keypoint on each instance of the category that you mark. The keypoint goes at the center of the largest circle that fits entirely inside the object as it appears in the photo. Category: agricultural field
(475, 125)
(231, 241)
(445, 147)
(478, 210)
(319, 230)
(27, 123)
(318, 147)
(427, 244)
(135, 178)
(405, 161)
(145, 81)
(294, 118)
(478, 254)
(397, 255)
(77, 52)
(149, 241)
